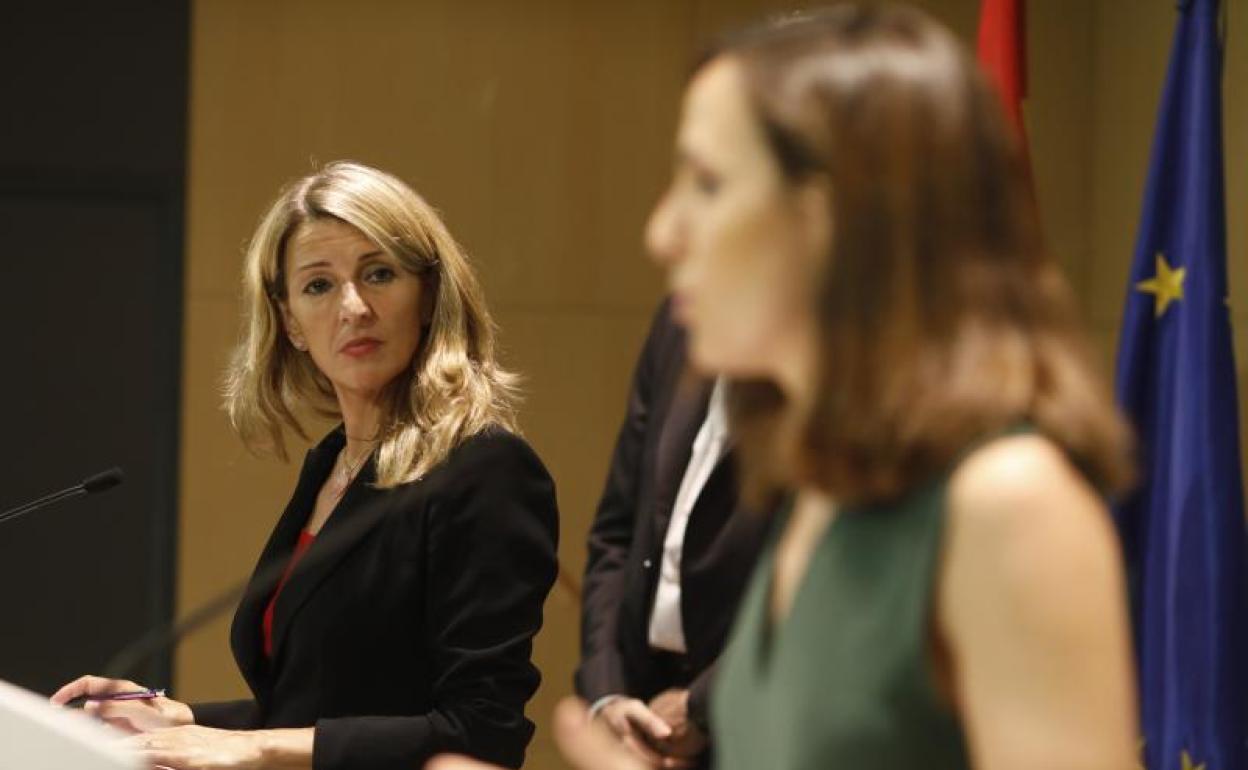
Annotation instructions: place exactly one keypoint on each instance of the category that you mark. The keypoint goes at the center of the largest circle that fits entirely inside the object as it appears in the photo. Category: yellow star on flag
(1188, 764)
(1166, 286)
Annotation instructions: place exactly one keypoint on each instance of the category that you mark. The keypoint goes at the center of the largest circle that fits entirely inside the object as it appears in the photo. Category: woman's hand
(200, 748)
(132, 716)
(686, 740)
(641, 730)
(588, 746)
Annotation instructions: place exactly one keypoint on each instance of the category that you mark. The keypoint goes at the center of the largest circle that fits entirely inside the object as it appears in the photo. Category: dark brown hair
(942, 319)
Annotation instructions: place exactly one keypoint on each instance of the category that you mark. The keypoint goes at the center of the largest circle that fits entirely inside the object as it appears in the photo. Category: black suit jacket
(406, 628)
(666, 408)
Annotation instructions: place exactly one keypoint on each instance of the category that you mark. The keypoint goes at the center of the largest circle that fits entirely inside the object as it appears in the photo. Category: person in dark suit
(392, 612)
(669, 554)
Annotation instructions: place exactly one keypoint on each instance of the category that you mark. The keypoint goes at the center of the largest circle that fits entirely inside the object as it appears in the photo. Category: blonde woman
(419, 544)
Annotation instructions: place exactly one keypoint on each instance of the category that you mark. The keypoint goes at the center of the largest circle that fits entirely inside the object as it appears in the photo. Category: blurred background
(140, 141)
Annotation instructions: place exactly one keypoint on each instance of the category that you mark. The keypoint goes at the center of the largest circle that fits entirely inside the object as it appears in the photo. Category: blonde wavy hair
(453, 389)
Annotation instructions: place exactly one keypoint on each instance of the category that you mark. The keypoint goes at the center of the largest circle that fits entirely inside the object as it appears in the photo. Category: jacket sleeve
(491, 555)
(227, 715)
(700, 690)
(601, 671)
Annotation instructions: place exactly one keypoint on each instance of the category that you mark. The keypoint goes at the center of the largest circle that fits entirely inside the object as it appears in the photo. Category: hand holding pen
(83, 700)
(124, 704)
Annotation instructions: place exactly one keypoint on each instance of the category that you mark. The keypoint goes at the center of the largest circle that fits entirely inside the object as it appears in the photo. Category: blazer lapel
(361, 508)
(245, 633)
(680, 427)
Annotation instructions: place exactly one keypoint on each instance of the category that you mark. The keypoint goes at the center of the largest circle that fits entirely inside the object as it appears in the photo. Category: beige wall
(541, 130)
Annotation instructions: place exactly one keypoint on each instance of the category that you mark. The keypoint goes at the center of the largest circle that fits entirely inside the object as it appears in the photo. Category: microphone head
(103, 480)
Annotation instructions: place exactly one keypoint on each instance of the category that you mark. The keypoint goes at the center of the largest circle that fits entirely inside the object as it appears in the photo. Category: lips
(360, 347)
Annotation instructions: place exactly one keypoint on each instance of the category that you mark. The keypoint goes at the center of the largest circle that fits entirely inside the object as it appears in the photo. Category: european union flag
(1183, 531)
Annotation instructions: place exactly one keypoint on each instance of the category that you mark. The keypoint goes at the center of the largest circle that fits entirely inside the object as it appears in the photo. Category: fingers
(588, 745)
(124, 725)
(628, 716)
(131, 716)
(162, 758)
(165, 748)
(91, 685)
(642, 750)
(128, 715)
(153, 753)
(457, 762)
(134, 716)
(671, 706)
(639, 729)
(645, 721)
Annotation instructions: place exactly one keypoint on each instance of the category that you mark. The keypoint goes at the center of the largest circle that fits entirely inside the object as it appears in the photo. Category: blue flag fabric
(1183, 530)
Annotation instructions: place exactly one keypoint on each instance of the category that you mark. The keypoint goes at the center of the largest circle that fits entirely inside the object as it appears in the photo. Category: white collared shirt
(666, 628)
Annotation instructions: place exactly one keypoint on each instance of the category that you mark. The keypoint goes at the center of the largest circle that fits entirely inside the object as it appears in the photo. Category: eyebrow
(325, 263)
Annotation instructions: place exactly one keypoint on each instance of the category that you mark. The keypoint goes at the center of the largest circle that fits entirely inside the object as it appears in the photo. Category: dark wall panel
(92, 169)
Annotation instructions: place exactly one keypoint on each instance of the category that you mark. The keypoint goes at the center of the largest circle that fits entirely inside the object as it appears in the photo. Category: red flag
(1003, 54)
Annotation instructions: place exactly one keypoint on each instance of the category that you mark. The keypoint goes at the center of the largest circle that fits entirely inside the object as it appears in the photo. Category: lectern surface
(40, 736)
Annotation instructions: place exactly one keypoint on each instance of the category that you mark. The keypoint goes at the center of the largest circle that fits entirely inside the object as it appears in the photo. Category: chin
(711, 360)
(370, 386)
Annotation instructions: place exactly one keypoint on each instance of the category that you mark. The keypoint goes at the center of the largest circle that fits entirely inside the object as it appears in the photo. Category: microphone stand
(45, 500)
(92, 484)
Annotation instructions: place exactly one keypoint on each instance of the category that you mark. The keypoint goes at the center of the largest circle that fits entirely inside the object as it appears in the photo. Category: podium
(40, 736)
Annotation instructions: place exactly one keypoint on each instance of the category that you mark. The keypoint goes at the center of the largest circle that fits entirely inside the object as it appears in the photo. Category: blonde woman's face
(351, 306)
(737, 241)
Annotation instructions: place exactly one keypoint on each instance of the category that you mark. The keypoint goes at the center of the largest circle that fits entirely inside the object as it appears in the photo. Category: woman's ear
(293, 332)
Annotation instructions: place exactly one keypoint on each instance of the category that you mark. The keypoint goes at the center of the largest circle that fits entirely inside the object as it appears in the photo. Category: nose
(353, 307)
(665, 236)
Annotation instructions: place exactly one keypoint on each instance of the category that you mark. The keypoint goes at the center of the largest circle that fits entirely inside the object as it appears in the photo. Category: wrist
(697, 708)
(287, 749)
(599, 705)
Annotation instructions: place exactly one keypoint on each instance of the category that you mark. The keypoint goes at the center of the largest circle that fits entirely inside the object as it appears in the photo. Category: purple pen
(128, 695)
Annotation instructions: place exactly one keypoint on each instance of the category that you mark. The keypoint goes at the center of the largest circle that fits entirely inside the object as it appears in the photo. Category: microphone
(103, 481)
(99, 482)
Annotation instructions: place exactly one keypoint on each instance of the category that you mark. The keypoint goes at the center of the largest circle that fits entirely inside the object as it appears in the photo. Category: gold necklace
(347, 471)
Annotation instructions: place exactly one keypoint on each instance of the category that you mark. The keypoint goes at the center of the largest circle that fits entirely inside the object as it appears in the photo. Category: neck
(361, 421)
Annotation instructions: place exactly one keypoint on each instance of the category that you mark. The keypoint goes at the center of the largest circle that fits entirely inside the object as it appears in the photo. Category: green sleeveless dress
(844, 681)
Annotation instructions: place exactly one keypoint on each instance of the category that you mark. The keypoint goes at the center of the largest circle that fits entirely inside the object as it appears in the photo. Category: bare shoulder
(1032, 605)
(1027, 527)
(1022, 486)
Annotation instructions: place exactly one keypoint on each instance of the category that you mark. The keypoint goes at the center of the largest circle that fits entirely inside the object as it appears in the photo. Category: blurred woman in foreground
(850, 236)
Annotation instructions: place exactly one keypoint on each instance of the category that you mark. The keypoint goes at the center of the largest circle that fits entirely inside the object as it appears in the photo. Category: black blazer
(666, 408)
(406, 629)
